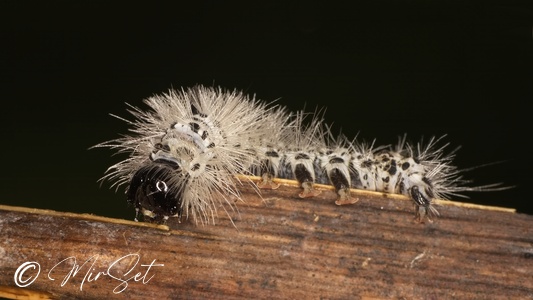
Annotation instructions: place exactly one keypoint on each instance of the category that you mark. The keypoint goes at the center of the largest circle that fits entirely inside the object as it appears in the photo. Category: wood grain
(278, 246)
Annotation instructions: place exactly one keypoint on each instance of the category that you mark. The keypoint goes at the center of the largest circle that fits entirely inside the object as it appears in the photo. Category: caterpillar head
(150, 191)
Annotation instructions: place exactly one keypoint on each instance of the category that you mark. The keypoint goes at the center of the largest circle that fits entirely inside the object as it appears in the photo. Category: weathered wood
(279, 246)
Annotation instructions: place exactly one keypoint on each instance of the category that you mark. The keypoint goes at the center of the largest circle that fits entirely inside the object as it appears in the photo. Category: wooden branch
(279, 246)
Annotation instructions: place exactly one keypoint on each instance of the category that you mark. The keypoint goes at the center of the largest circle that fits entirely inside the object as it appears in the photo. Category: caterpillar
(184, 151)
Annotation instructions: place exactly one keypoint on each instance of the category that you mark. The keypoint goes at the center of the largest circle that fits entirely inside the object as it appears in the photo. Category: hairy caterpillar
(191, 143)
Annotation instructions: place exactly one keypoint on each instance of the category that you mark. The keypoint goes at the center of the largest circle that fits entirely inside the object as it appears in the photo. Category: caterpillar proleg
(187, 147)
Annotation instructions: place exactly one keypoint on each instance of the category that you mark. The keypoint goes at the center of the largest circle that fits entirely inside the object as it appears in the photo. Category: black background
(382, 68)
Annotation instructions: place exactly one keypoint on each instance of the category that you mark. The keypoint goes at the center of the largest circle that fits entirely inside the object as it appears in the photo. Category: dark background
(382, 68)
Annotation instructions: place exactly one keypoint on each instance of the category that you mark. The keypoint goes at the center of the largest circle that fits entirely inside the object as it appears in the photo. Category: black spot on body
(405, 166)
(392, 168)
(272, 154)
(194, 126)
(336, 160)
(301, 156)
(160, 146)
(197, 112)
(366, 164)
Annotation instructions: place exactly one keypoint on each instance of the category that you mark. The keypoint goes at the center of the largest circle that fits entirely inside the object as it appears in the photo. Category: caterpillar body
(184, 153)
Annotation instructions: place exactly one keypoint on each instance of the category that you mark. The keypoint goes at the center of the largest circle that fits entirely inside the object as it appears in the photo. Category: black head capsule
(150, 193)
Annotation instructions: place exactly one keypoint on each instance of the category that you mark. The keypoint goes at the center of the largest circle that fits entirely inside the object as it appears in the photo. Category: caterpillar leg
(267, 183)
(342, 186)
(309, 191)
(423, 207)
(305, 177)
(268, 170)
(344, 197)
(302, 170)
